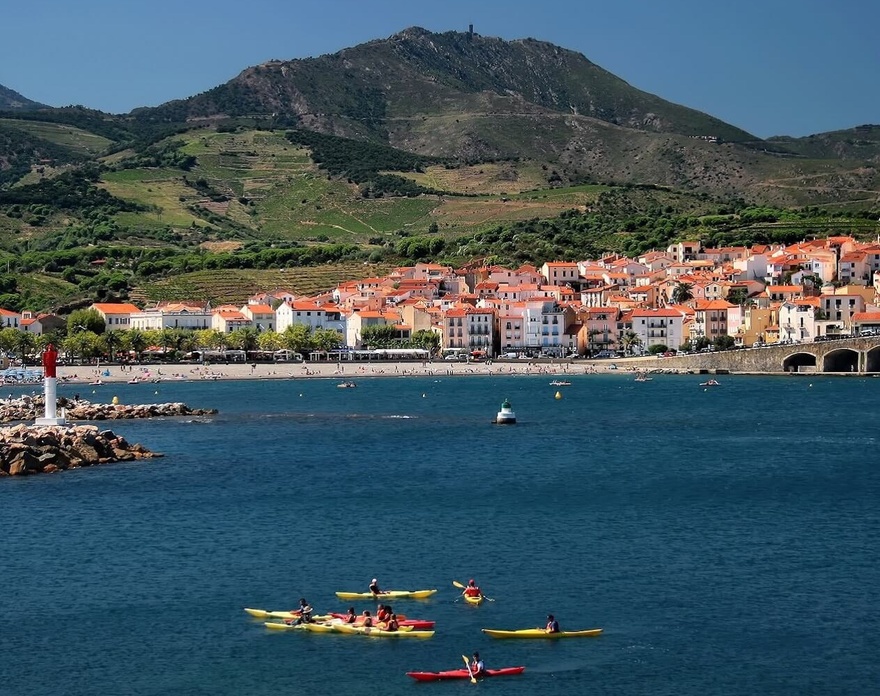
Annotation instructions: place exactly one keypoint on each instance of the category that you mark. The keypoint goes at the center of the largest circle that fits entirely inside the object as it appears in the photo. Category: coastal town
(685, 298)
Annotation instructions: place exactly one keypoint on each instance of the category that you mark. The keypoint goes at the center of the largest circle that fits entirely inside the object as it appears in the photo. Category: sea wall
(29, 449)
(29, 408)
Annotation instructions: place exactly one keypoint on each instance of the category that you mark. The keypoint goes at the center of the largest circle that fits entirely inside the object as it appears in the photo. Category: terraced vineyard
(235, 286)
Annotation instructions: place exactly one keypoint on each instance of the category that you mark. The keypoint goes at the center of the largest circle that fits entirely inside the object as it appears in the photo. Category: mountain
(379, 88)
(12, 100)
(470, 99)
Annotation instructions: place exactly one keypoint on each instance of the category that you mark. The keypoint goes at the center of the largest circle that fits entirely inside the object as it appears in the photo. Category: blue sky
(790, 67)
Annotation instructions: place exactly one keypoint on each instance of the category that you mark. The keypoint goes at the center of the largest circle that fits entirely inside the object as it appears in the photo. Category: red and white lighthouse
(50, 385)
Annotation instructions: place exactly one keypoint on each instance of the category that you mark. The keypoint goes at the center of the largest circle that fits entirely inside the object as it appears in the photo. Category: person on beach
(472, 590)
(477, 666)
(552, 624)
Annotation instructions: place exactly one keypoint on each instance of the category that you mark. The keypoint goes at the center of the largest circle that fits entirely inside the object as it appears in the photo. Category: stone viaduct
(846, 355)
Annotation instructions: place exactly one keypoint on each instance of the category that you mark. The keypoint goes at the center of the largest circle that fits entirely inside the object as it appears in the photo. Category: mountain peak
(12, 100)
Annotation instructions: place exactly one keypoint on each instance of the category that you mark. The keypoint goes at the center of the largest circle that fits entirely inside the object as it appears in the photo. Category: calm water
(726, 539)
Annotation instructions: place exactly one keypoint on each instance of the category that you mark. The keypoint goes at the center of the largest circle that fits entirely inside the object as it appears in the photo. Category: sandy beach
(342, 371)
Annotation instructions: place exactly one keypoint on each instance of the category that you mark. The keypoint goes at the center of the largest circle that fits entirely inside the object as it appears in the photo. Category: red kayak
(463, 674)
(416, 624)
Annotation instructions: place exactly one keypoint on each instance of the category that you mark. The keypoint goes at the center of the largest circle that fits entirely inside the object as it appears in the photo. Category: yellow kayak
(265, 614)
(311, 627)
(541, 633)
(474, 600)
(391, 594)
(374, 632)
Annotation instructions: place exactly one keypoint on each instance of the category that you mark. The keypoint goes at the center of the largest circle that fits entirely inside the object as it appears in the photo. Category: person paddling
(552, 624)
(304, 613)
(392, 624)
(374, 588)
(472, 590)
(382, 614)
(478, 669)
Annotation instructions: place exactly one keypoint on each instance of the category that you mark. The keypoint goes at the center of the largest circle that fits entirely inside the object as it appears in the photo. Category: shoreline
(115, 374)
(83, 376)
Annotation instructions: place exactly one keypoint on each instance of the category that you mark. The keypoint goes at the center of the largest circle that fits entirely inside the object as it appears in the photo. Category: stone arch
(841, 360)
(797, 361)
(872, 360)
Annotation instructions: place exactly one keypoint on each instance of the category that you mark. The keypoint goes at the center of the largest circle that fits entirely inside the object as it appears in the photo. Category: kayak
(311, 627)
(541, 633)
(265, 614)
(464, 674)
(474, 600)
(373, 632)
(415, 624)
(391, 594)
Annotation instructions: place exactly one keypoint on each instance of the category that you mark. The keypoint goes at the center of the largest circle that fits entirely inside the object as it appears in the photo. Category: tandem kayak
(373, 632)
(464, 674)
(391, 594)
(415, 624)
(541, 633)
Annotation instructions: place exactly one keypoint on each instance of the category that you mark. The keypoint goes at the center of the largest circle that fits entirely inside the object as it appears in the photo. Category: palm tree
(630, 340)
(682, 292)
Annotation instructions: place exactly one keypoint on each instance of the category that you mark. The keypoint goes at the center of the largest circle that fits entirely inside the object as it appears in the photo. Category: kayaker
(374, 587)
(304, 611)
(351, 617)
(382, 613)
(392, 624)
(472, 590)
(552, 624)
(477, 666)
(366, 619)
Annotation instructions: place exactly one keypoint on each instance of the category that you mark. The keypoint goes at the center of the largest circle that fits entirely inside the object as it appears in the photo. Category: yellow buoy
(558, 395)
(115, 400)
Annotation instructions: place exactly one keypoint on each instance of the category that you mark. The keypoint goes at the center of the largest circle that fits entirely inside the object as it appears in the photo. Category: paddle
(467, 663)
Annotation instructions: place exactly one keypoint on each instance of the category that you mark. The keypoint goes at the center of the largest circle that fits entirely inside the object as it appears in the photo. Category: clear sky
(772, 67)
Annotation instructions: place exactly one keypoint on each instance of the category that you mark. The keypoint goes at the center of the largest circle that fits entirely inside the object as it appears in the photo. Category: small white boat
(346, 385)
(560, 383)
(506, 416)
(711, 383)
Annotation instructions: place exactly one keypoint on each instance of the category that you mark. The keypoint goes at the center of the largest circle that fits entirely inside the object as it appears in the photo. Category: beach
(348, 371)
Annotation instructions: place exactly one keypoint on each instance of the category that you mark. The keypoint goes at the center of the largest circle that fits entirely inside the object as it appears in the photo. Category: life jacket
(351, 618)
(472, 591)
(392, 625)
(368, 621)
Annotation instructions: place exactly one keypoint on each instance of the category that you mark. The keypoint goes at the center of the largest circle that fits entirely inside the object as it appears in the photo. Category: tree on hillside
(682, 292)
(738, 296)
(85, 320)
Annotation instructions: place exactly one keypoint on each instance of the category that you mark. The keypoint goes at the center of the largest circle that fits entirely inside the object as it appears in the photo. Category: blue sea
(726, 539)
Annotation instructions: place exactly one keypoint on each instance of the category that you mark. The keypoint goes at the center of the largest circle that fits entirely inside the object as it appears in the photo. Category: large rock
(40, 449)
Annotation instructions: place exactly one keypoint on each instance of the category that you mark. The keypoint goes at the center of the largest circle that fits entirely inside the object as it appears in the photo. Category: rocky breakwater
(29, 408)
(28, 449)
